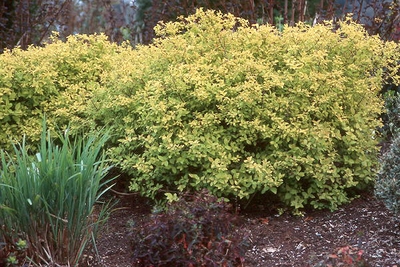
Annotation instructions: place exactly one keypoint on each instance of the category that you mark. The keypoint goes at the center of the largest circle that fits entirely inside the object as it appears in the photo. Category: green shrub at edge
(387, 185)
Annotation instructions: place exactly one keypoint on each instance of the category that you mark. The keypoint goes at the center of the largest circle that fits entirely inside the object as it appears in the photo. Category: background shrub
(240, 110)
(66, 73)
(195, 230)
(216, 103)
(391, 117)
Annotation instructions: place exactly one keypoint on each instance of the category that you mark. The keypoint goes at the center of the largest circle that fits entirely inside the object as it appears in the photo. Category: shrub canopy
(242, 109)
(239, 109)
(58, 79)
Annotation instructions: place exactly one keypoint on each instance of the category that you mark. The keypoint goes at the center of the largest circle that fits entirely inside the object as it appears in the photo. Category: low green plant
(13, 254)
(346, 256)
(195, 230)
(387, 184)
(51, 198)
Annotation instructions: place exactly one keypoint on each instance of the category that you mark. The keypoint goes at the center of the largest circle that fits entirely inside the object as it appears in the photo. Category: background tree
(25, 22)
(379, 16)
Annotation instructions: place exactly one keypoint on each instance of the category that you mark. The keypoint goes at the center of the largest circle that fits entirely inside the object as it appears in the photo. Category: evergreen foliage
(387, 185)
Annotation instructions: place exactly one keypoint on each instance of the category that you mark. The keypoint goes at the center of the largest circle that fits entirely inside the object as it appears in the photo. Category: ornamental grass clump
(51, 199)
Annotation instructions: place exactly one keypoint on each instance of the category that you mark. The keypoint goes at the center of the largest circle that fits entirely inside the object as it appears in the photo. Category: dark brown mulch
(275, 240)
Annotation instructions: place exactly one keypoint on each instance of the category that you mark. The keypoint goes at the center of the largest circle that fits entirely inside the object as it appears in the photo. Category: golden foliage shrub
(216, 103)
(220, 104)
(58, 79)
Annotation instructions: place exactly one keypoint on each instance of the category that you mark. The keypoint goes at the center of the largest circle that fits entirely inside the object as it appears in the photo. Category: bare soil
(275, 240)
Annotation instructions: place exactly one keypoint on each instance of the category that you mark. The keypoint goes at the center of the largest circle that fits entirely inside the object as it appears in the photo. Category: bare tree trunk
(6, 24)
(292, 21)
(285, 12)
(271, 11)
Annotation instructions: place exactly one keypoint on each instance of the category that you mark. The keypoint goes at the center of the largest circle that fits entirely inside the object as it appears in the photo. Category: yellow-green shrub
(216, 104)
(241, 110)
(58, 79)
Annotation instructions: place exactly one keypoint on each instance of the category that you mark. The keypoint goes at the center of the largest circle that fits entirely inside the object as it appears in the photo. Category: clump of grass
(51, 198)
